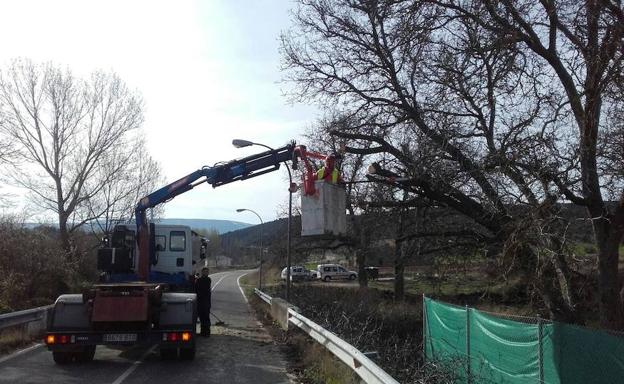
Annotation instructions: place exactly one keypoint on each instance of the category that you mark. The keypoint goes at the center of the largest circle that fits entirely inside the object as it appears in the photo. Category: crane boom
(217, 175)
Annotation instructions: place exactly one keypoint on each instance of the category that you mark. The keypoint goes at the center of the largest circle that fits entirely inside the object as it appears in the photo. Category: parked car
(314, 274)
(327, 272)
(297, 273)
(372, 273)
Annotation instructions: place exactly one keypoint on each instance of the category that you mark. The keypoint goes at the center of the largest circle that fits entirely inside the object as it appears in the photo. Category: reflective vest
(321, 175)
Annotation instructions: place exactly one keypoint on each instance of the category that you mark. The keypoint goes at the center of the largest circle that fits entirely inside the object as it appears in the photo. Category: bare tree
(7, 151)
(510, 98)
(7, 157)
(65, 131)
(136, 175)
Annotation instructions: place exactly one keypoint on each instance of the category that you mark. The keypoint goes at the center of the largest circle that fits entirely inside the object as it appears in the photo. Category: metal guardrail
(370, 372)
(13, 319)
(266, 298)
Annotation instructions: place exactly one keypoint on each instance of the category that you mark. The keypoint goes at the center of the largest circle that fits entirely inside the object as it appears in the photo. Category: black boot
(205, 330)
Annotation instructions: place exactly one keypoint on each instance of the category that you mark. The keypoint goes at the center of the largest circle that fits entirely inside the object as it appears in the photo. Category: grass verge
(12, 339)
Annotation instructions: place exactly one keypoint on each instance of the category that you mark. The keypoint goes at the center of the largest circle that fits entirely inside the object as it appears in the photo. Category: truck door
(178, 248)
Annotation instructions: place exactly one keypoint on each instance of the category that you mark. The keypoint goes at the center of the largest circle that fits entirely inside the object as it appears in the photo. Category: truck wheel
(86, 355)
(62, 358)
(351, 277)
(168, 353)
(326, 279)
(188, 353)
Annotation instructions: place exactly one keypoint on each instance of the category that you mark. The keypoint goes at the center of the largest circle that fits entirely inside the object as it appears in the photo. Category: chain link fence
(492, 348)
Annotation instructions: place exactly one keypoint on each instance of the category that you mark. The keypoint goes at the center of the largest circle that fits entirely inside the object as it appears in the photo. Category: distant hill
(221, 226)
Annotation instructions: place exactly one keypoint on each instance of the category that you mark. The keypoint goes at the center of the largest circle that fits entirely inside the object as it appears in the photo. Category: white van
(327, 272)
(297, 273)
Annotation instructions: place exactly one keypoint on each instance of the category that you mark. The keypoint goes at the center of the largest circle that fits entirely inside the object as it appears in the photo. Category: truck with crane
(146, 295)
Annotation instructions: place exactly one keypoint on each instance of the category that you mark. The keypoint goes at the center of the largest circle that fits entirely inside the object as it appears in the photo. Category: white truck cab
(175, 249)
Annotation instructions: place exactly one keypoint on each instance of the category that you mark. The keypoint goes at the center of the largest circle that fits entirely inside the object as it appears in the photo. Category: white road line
(217, 283)
(241, 289)
(20, 352)
(134, 366)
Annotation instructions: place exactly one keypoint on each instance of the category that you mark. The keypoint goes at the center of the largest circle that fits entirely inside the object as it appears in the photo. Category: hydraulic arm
(217, 175)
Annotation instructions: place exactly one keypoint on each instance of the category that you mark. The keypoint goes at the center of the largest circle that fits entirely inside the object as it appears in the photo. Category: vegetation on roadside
(33, 266)
(309, 361)
(369, 320)
(11, 339)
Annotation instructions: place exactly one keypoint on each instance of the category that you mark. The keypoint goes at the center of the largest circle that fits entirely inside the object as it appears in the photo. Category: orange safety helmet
(330, 161)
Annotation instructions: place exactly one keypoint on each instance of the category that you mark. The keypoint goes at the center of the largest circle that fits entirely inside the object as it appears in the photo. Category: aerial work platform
(324, 212)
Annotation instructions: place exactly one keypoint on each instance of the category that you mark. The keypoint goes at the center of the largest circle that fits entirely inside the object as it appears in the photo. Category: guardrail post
(424, 321)
(540, 351)
(468, 370)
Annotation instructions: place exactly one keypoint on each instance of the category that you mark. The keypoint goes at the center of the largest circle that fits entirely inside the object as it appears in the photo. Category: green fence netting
(486, 348)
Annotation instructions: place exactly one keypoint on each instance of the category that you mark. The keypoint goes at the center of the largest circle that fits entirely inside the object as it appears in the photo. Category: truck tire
(168, 353)
(351, 277)
(326, 279)
(188, 353)
(86, 355)
(62, 358)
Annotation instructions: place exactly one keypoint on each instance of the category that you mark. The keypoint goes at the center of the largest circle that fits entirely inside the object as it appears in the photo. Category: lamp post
(238, 143)
(261, 247)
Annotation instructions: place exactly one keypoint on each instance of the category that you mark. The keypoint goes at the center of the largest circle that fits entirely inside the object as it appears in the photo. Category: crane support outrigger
(136, 305)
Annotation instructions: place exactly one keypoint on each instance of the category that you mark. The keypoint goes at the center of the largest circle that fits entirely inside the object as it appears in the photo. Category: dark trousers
(204, 319)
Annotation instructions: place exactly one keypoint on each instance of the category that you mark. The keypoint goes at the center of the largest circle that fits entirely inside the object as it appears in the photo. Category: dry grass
(309, 361)
(320, 366)
(11, 339)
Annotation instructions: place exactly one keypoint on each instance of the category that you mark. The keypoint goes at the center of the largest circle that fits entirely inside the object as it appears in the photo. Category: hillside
(221, 226)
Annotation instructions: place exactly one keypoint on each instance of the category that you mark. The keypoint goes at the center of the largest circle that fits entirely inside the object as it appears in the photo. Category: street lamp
(261, 247)
(238, 143)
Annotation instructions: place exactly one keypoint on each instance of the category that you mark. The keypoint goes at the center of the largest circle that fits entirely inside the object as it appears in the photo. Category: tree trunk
(399, 269)
(607, 227)
(361, 246)
(361, 261)
(400, 251)
(555, 285)
(608, 241)
(64, 234)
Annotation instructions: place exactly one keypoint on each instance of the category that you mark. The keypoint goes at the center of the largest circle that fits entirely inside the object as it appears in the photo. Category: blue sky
(208, 72)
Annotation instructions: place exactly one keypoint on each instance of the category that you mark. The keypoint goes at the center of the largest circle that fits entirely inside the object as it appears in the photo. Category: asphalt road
(239, 352)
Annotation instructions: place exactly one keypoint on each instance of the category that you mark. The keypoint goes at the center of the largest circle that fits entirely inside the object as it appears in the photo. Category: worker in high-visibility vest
(329, 172)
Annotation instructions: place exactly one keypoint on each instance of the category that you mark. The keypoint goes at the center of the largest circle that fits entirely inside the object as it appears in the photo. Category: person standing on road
(203, 288)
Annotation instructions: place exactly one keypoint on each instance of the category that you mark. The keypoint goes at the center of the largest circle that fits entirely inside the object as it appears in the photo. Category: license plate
(120, 337)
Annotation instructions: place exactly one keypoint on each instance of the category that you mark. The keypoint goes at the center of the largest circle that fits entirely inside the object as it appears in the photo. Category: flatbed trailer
(122, 314)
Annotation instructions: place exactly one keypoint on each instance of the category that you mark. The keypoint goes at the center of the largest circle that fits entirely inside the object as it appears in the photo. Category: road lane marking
(134, 366)
(20, 352)
(217, 283)
(241, 288)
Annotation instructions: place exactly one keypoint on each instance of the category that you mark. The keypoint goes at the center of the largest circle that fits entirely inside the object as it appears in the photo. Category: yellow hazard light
(50, 339)
(186, 336)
